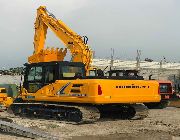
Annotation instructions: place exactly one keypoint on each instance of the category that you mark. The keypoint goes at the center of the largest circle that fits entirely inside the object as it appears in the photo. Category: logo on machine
(61, 91)
(78, 94)
(131, 86)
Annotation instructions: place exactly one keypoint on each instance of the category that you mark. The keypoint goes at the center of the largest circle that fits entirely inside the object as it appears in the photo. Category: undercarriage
(79, 113)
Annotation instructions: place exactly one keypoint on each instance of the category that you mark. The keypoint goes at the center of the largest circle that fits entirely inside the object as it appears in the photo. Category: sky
(151, 26)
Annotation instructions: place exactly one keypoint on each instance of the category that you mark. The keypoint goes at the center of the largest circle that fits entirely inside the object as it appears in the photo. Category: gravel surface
(160, 124)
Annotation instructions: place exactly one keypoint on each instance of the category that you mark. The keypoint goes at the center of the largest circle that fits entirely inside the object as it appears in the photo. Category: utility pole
(161, 64)
(112, 58)
(138, 59)
(178, 74)
(160, 70)
(93, 53)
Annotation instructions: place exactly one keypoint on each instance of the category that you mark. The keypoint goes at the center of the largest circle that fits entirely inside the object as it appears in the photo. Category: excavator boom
(74, 43)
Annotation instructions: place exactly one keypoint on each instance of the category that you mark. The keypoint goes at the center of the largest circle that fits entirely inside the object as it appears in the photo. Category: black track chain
(89, 113)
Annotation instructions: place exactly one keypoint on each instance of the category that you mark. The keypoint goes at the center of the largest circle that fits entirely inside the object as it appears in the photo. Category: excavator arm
(78, 47)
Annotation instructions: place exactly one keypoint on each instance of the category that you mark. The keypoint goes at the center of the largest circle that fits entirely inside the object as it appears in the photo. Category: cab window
(50, 74)
(35, 74)
(71, 71)
(92, 73)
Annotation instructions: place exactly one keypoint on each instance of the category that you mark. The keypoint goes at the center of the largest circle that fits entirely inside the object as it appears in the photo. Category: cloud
(126, 25)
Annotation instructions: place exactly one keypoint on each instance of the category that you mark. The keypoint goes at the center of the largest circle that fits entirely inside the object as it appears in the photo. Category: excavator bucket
(11, 89)
(7, 94)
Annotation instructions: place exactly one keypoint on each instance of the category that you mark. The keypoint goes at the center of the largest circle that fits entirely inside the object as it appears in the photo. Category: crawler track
(126, 111)
(78, 114)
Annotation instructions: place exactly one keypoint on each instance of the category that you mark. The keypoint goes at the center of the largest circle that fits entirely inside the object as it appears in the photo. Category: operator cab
(38, 75)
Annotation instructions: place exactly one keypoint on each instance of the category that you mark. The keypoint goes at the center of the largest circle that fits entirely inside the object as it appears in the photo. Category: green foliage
(12, 71)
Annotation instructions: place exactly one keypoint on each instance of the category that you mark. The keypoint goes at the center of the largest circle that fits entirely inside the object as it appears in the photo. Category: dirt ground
(160, 124)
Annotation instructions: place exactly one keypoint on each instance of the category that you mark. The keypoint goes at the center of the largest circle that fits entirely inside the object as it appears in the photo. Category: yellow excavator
(62, 90)
(5, 100)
